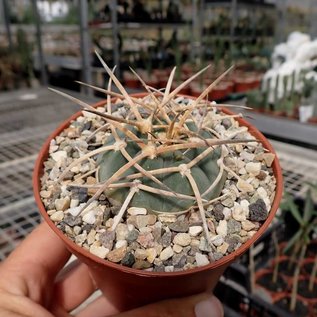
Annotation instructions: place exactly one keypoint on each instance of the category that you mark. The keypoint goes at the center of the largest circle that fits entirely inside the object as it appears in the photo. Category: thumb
(201, 305)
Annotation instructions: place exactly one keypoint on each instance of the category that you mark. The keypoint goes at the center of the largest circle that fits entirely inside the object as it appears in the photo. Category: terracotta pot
(127, 287)
(243, 84)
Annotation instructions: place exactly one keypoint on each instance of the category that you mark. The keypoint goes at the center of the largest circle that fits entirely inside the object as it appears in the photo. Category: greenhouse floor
(27, 117)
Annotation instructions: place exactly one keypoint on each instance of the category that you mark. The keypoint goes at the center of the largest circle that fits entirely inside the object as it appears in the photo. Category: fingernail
(209, 307)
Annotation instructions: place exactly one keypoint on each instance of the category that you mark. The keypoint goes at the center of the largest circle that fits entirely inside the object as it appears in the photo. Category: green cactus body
(204, 173)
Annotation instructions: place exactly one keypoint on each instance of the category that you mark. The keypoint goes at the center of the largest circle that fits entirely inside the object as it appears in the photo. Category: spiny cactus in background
(158, 157)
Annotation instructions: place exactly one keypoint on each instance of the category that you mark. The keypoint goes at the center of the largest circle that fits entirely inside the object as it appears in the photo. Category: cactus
(158, 157)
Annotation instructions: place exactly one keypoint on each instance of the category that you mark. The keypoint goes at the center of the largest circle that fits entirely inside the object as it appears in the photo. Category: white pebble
(169, 268)
(134, 211)
(217, 240)
(166, 253)
(74, 211)
(201, 259)
(253, 168)
(99, 251)
(121, 243)
(167, 218)
(226, 212)
(57, 216)
(244, 187)
(74, 203)
(59, 156)
(177, 248)
(90, 217)
(262, 192)
(182, 239)
(238, 213)
(222, 228)
(194, 231)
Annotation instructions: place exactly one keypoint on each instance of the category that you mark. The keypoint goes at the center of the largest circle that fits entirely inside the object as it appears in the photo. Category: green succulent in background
(307, 221)
(255, 98)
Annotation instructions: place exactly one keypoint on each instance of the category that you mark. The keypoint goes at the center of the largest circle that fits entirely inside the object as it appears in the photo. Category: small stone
(227, 213)
(107, 238)
(71, 220)
(57, 216)
(177, 248)
(135, 211)
(217, 240)
(222, 228)
(268, 158)
(166, 253)
(132, 235)
(74, 211)
(262, 176)
(248, 225)
(223, 248)
(247, 156)
(45, 193)
(99, 251)
(244, 186)
(238, 213)
(167, 218)
(157, 231)
(140, 254)
(90, 217)
(151, 254)
(176, 258)
(179, 226)
(166, 239)
(233, 226)
(120, 244)
(146, 239)
(211, 225)
(262, 193)
(190, 259)
(245, 206)
(253, 168)
(258, 211)
(218, 212)
(62, 203)
(122, 231)
(81, 238)
(234, 242)
(141, 265)
(145, 220)
(169, 268)
(201, 259)
(91, 236)
(82, 195)
(204, 245)
(251, 233)
(77, 230)
(59, 156)
(117, 255)
(228, 202)
(128, 259)
(74, 203)
(182, 239)
(194, 231)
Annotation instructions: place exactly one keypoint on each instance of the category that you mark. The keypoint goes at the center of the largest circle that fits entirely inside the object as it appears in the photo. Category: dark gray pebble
(258, 211)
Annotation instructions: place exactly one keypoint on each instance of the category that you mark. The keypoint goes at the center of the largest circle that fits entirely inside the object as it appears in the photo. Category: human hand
(33, 284)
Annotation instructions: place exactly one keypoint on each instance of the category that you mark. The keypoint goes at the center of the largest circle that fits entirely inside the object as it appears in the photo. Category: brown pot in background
(127, 288)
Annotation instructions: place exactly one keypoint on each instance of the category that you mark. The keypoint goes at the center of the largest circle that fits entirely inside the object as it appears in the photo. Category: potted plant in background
(156, 192)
